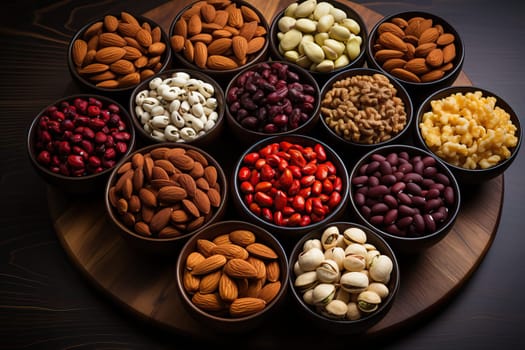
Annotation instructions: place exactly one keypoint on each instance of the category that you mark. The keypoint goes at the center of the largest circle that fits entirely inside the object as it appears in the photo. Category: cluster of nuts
(364, 109)
(179, 108)
(289, 184)
(118, 52)
(165, 192)
(416, 50)
(218, 34)
(341, 275)
(81, 137)
(403, 194)
(232, 274)
(318, 36)
(271, 98)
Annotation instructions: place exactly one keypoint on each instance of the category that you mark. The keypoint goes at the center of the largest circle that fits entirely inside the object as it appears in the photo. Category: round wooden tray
(147, 288)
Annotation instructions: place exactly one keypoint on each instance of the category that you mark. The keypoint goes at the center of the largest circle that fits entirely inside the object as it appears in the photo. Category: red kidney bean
(403, 195)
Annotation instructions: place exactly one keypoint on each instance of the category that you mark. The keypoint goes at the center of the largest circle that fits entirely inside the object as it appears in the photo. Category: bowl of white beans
(178, 105)
(473, 131)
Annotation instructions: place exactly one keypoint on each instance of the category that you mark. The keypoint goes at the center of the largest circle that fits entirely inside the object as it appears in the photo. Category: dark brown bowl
(142, 119)
(345, 325)
(222, 76)
(369, 188)
(221, 320)
(322, 76)
(347, 145)
(419, 90)
(123, 91)
(470, 176)
(87, 182)
(246, 134)
(287, 231)
(136, 222)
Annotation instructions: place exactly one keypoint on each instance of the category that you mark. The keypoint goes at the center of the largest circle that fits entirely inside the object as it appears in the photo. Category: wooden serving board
(147, 287)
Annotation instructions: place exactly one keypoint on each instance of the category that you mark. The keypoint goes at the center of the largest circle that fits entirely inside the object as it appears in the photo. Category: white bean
(155, 83)
(158, 135)
(160, 121)
(172, 133)
(188, 133)
(177, 120)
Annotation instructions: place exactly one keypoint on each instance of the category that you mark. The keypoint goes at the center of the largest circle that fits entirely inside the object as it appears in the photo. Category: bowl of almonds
(162, 194)
(232, 276)
(113, 54)
(219, 37)
(421, 50)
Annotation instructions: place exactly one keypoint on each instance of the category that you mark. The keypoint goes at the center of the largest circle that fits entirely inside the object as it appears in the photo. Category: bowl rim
(335, 158)
(86, 82)
(369, 232)
(220, 227)
(31, 130)
(144, 85)
(453, 182)
(314, 116)
(460, 48)
(500, 102)
(115, 219)
(401, 93)
(358, 61)
(223, 72)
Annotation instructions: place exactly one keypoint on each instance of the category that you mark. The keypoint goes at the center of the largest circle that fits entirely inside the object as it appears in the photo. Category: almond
(449, 53)
(208, 302)
(207, 12)
(177, 42)
(129, 80)
(239, 268)
(241, 307)
(430, 35)
(131, 53)
(228, 290)
(189, 51)
(273, 271)
(242, 237)
(445, 39)
(147, 197)
(248, 30)
(205, 247)
(394, 63)
(255, 45)
(405, 75)
(392, 41)
(142, 228)
(201, 201)
(171, 194)
(214, 196)
(254, 287)
(435, 58)
(219, 46)
(221, 33)
(128, 29)
(79, 52)
(138, 179)
(261, 250)
(201, 54)
(134, 204)
(194, 25)
(230, 251)
(129, 18)
(190, 282)
(197, 157)
(210, 174)
(386, 54)
(417, 66)
(122, 66)
(108, 55)
(222, 239)
(210, 264)
(239, 46)
(111, 39)
(110, 23)
(424, 49)
(269, 291)
(193, 259)
(90, 57)
(210, 282)
(160, 219)
(179, 216)
(235, 19)
(191, 207)
(432, 75)
(94, 30)
(391, 28)
(94, 68)
(221, 18)
(143, 37)
(259, 266)
(167, 166)
(188, 183)
(156, 34)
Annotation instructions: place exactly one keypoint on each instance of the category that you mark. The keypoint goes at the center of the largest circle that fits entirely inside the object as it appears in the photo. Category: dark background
(45, 303)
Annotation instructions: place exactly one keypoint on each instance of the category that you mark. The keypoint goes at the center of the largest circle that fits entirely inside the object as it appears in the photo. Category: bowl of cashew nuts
(178, 105)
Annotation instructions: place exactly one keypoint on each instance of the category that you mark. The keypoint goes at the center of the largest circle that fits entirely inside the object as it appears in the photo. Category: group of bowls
(416, 97)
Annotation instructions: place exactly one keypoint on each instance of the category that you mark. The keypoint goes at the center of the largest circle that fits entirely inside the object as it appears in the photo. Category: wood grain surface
(146, 288)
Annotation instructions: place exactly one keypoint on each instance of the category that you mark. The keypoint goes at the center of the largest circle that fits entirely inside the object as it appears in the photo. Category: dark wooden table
(45, 303)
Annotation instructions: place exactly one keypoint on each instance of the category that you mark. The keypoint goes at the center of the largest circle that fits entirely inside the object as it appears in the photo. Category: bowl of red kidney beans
(75, 142)
(405, 194)
(290, 185)
(271, 98)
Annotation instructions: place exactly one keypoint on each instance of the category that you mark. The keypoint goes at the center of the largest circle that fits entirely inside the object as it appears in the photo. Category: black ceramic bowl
(333, 318)
(178, 124)
(493, 110)
(443, 74)
(298, 106)
(164, 193)
(405, 194)
(268, 289)
(287, 208)
(320, 74)
(186, 52)
(75, 149)
(397, 103)
(123, 31)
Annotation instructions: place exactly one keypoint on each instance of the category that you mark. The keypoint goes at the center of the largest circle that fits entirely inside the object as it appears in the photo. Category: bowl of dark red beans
(290, 185)
(75, 142)
(407, 195)
(272, 98)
